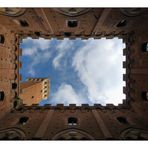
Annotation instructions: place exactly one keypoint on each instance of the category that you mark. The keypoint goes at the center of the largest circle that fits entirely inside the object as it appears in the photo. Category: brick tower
(34, 90)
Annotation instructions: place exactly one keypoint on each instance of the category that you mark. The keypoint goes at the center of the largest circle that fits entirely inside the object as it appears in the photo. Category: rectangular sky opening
(80, 71)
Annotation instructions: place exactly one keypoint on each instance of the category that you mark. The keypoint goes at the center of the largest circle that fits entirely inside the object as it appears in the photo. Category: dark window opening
(67, 34)
(122, 120)
(32, 97)
(2, 39)
(15, 103)
(72, 121)
(122, 23)
(144, 95)
(145, 47)
(72, 23)
(24, 23)
(37, 33)
(2, 95)
(14, 85)
(23, 120)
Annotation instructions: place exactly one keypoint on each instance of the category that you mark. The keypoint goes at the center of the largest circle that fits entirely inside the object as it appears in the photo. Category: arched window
(2, 95)
(122, 23)
(122, 120)
(2, 39)
(23, 120)
(72, 23)
(145, 47)
(72, 121)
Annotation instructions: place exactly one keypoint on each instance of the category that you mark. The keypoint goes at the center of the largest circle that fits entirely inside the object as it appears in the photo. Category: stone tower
(34, 90)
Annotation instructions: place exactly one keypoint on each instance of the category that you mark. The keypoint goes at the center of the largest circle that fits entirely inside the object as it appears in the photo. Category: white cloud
(38, 51)
(62, 48)
(99, 67)
(66, 95)
(38, 59)
(40, 44)
(29, 51)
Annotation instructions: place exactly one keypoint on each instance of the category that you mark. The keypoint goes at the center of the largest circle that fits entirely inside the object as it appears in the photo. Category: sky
(80, 71)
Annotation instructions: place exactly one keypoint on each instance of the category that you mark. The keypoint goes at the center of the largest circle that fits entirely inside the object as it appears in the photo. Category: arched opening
(145, 47)
(72, 23)
(72, 134)
(2, 39)
(131, 12)
(72, 121)
(122, 23)
(23, 120)
(122, 120)
(2, 95)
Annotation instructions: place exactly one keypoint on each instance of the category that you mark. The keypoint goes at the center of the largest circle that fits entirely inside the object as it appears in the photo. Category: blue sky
(80, 71)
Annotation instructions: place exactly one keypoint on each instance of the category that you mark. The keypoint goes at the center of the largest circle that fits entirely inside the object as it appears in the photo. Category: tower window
(72, 23)
(72, 121)
(24, 23)
(67, 34)
(2, 39)
(2, 95)
(23, 120)
(122, 23)
(144, 95)
(14, 85)
(122, 120)
(15, 103)
(145, 47)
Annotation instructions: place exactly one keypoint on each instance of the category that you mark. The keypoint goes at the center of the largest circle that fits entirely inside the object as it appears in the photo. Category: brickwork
(125, 121)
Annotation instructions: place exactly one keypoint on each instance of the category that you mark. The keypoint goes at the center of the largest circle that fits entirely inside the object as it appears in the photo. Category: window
(23, 120)
(145, 47)
(24, 23)
(2, 39)
(2, 95)
(15, 104)
(32, 97)
(122, 120)
(67, 34)
(37, 33)
(144, 95)
(122, 23)
(72, 23)
(72, 121)
(14, 85)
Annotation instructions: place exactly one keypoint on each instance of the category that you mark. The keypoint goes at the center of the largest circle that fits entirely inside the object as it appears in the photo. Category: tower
(34, 90)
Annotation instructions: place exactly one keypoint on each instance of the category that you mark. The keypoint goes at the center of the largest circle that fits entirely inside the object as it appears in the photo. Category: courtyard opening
(79, 71)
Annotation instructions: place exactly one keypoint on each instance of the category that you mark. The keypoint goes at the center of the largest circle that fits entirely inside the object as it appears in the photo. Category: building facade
(125, 121)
